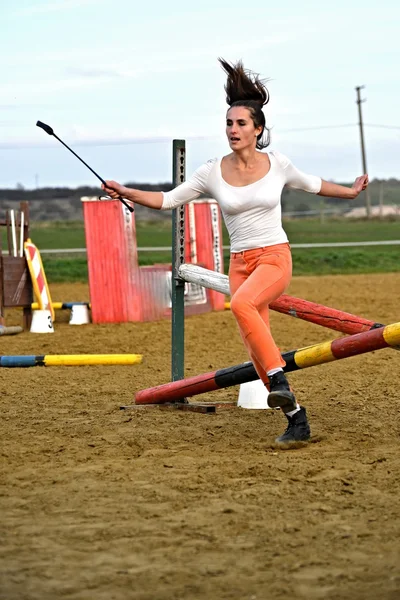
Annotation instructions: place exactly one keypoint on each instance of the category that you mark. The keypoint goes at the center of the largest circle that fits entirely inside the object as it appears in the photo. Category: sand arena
(153, 504)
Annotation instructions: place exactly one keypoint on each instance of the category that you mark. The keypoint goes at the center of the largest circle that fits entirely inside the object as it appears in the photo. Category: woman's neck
(246, 158)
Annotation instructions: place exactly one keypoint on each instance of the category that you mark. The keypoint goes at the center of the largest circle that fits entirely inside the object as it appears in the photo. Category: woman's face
(240, 129)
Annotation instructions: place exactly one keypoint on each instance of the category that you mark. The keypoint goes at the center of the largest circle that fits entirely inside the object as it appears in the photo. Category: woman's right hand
(113, 189)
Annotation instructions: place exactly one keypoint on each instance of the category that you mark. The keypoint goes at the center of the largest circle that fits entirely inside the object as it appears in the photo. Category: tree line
(64, 203)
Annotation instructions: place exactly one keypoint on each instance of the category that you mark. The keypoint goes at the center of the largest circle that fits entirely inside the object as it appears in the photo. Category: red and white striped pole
(39, 281)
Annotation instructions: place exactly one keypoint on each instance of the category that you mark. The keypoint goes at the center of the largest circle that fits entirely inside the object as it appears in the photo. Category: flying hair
(243, 85)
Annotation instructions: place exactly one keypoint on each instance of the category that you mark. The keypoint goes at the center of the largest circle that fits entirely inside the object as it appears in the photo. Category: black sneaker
(280, 395)
(298, 429)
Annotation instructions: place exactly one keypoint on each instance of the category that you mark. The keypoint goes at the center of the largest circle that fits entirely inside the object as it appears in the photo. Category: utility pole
(364, 159)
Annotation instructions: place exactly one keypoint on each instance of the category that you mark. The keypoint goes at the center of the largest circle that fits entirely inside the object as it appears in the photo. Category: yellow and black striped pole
(352, 345)
(61, 305)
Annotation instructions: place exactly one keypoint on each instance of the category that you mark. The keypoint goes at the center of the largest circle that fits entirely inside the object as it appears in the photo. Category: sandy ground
(106, 504)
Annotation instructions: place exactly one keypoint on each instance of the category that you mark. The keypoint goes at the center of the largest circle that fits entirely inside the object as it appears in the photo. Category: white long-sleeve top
(252, 213)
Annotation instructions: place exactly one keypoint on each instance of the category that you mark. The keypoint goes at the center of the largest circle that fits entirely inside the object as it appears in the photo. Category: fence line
(293, 246)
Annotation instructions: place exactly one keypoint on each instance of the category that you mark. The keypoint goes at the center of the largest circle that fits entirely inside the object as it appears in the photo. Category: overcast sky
(119, 79)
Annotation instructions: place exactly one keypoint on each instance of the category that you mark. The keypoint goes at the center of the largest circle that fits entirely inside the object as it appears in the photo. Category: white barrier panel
(42, 322)
(253, 395)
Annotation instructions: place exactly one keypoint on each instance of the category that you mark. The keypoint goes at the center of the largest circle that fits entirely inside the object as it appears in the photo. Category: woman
(247, 185)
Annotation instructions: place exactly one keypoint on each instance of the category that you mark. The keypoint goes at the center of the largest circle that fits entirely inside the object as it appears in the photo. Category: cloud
(156, 62)
(12, 92)
(91, 72)
(163, 62)
(26, 105)
(105, 141)
(37, 59)
(54, 7)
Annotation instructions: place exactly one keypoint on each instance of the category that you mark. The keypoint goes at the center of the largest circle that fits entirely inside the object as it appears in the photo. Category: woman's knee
(240, 304)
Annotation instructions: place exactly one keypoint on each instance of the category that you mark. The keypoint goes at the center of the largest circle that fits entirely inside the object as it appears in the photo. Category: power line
(166, 139)
(340, 126)
(383, 126)
(148, 140)
(319, 127)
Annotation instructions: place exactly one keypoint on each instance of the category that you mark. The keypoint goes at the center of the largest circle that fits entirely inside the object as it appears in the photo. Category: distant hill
(64, 204)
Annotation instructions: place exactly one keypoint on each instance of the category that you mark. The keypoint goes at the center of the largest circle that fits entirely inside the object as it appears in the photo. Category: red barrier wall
(203, 241)
(120, 291)
(112, 261)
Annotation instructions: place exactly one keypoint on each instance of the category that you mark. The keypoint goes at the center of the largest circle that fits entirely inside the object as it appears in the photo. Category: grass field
(320, 261)
(72, 235)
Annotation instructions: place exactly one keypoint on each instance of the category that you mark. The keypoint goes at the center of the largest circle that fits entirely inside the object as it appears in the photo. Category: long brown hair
(245, 88)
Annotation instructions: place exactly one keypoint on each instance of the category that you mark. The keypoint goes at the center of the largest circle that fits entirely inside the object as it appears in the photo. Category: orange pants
(258, 277)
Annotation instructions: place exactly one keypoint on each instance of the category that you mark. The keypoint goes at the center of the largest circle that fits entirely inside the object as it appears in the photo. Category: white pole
(14, 236)
(205, 277)
(192, 233)
(21, 235)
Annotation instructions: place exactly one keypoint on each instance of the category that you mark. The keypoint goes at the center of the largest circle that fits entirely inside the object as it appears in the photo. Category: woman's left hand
(360, 184)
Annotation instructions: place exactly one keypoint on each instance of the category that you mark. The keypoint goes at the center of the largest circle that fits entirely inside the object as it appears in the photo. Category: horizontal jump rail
(61, 305)
(69, 360)
(319, 354)
(288, 305)
(13, 330)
